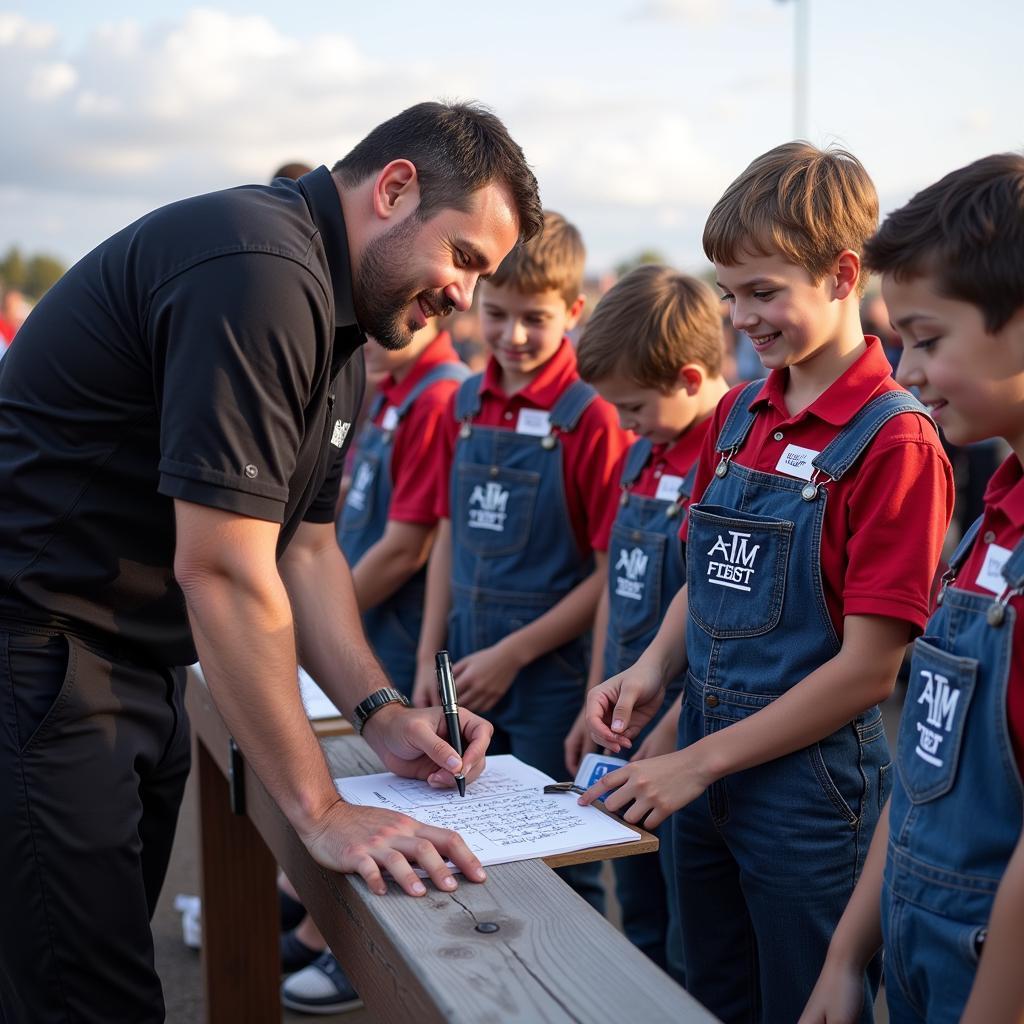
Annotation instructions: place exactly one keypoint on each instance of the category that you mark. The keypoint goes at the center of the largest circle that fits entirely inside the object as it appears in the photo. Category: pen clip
(446, 682)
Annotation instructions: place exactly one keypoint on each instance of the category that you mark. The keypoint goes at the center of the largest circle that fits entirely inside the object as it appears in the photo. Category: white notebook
(504, 816)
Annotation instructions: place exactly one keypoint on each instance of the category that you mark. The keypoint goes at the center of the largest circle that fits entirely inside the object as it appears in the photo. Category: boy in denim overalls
(653, 349)
(388, 521)
(947, 859)
(824, 497)
(529, 451)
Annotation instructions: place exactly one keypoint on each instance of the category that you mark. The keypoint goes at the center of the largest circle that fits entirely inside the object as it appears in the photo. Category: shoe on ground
(322, 988)
(295, 954)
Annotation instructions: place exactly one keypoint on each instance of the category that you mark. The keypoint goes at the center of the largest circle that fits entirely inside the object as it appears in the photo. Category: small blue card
(594, 766)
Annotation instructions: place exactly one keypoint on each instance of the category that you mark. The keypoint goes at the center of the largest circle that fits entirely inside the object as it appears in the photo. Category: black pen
(450, 703)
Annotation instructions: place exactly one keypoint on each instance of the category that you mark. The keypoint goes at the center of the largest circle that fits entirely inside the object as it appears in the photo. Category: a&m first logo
(488, 506)
(735, 569)
(360, 485)
(634, 564)
(942, 700)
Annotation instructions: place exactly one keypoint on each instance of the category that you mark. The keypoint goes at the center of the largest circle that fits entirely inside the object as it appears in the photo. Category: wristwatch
(372, 704)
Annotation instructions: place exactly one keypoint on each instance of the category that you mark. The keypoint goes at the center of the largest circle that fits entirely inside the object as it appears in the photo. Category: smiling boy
(824, 497)
(528, 457)
(948, 858)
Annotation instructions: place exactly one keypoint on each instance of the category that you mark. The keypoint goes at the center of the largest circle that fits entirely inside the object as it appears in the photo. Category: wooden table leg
(241, 959)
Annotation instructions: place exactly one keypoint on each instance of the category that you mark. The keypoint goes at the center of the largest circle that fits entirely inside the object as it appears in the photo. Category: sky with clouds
(635, 114)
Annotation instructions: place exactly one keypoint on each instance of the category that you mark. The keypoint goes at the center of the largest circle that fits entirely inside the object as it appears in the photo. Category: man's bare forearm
(328, 628)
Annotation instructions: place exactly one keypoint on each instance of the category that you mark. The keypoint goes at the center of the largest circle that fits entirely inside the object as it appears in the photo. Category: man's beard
(382, 297)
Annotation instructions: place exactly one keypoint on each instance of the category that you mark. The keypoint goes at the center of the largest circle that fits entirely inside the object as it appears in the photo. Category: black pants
(94, 753)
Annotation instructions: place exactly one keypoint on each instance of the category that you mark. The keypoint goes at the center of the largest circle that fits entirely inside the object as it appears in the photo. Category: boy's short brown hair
(551, 260)
(649, 326)
(966, 230)
(805, 203)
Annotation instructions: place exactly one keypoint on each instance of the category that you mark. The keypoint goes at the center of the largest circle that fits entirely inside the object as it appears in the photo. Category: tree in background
(32, 275)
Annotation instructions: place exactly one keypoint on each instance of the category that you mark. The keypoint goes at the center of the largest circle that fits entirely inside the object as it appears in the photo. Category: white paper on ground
(504, 816)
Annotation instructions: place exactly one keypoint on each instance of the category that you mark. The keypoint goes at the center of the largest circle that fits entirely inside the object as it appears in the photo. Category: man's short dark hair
(457, 149)
(966, 231)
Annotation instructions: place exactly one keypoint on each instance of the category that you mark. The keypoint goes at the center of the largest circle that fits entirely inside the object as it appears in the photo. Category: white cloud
(701, 12)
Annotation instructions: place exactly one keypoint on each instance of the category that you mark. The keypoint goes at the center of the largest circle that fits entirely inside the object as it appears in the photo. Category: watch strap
(372, 704)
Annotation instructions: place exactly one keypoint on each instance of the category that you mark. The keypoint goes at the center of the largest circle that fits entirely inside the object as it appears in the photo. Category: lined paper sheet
(505, 815)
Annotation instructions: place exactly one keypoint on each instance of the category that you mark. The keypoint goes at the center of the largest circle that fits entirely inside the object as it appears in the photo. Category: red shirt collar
(844, 397)
(440, 350)
(1005, 490)
(545, 388)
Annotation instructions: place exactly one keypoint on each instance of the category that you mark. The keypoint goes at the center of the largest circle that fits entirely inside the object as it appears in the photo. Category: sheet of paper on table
(505, 815)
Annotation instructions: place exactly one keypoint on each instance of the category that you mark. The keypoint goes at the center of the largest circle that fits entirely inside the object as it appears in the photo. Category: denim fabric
(645, 571)
(393, 626)
(956, 811)
(767, 858)
(514, 556)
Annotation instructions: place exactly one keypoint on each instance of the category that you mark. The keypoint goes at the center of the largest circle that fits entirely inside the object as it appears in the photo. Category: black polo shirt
(207, 352)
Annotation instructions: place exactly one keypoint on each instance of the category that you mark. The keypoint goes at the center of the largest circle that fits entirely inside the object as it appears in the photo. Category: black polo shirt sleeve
(321, 508)
(234, 361)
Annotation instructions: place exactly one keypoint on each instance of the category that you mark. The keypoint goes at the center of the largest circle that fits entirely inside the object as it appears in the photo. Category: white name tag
(341, 429)
(390, 418)
(796, 461)
(991, 576)
(668, 487)
(536, 422)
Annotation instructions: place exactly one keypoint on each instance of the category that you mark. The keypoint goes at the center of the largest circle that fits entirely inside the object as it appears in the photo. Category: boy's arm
(484, 677)
(860, 675)
(997, 996)
(578, 742)
(838, 994)
(401, 552)
(437, 603)
(620, 707)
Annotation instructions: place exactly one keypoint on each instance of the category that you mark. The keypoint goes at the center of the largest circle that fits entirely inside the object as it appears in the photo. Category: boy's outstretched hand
(647, 792)
(621, 706)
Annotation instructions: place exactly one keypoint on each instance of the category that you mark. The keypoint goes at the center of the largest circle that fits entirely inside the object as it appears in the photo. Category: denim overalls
(956, 811)
(767, 858)
(393, 626)
(514, 556)
(645, 571)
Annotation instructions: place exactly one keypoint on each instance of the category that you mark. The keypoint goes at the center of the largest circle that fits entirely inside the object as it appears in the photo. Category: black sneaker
(322, 987)
(295, 954)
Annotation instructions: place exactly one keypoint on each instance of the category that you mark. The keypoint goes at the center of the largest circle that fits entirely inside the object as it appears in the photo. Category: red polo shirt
(675, 459)
(1003, 525)
(414, 488)
(589, 452)
(886, 518)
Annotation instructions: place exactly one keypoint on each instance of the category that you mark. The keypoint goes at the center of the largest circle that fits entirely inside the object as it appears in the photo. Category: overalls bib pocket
(932, 724)
(495, 506)
(736, 565)
(359, 502)
(636, 562)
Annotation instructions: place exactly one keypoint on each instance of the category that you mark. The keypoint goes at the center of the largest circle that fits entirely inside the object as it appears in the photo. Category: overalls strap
(467, 398)
(740, 419)
(636, 459)
(686, 487)
(443, 371)
(844, 450)
(964, 547)
(1013, 569)
(376, 406)
(571, 405)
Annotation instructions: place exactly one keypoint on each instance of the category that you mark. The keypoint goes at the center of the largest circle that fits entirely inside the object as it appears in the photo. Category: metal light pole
(801, 27)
